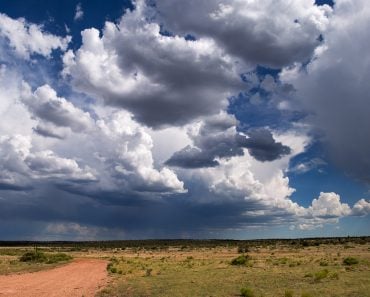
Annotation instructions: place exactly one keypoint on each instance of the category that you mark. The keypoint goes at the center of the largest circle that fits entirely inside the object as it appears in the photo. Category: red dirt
(83, 277)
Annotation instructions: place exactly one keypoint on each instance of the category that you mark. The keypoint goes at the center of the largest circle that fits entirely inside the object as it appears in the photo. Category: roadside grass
(209, 272)
(16, 260)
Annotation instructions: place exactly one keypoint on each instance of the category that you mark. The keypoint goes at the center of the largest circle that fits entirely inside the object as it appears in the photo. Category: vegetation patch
(240, 260)
(247, 292)
(41, 257)
(320, 275)
(288, 293)
(350, 261)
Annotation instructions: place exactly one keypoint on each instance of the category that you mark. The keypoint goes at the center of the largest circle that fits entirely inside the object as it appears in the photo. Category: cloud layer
(141, 132)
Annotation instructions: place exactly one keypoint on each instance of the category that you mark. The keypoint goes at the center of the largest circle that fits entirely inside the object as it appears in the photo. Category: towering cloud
(162, 79)
(333, 87)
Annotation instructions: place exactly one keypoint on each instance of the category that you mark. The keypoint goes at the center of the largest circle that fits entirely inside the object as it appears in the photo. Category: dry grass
(10, 261)
(270, 272)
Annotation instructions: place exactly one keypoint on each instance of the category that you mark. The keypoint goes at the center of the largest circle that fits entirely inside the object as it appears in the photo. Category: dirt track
(80, 278)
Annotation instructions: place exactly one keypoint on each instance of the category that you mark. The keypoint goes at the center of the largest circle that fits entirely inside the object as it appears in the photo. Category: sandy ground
(82, 277)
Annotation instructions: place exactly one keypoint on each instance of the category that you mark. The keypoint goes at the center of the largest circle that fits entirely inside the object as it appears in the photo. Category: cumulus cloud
(19, 165)
(217, 137)
(271, 33)
(328, 205)
(161, 79)
(107, 153)
(45, 105)
(127, 152)
(361, 208)
(334, 89)
(28, 39)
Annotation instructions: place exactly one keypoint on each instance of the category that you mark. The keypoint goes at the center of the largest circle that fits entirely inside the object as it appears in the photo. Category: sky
(233, 119)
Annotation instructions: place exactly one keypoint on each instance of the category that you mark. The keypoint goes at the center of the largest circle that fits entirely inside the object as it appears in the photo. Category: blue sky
(115, 124)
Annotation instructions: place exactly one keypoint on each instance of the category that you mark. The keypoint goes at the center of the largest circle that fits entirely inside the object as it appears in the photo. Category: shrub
(59, 257)
(306, 294)
(109, 266)
(40, 257)
(148, 272)
(247, 292)
(324, 263)
(288, 293)
(334, 275)
(243, 249)
(321, 275)
(240, 260)
(34, 256)
(350, 261)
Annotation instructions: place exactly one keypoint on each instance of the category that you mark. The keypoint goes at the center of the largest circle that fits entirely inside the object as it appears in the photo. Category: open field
(301, 268)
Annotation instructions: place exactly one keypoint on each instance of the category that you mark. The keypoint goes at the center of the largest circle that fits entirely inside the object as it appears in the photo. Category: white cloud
(65, 144)
(310, 227)
(20, 165)
(14, 116)
(269, 32)
(126, 149)
(45, 105)
(329, 205)
(27, 39)
(361, 208)
(79, 13)
(315, 163)
(162, 80)
(262, 183)
(47, 164)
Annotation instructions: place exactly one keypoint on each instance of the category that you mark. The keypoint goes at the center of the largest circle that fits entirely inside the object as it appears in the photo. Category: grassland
(269, 271)
(309, 268)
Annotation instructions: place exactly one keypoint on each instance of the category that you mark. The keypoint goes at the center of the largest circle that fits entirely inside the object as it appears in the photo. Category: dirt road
(82, 277)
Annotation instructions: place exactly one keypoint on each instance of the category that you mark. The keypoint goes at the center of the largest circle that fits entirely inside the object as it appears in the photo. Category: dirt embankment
(82, 277)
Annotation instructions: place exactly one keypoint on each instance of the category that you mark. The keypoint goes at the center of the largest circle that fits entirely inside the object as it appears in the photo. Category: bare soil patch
(82, 277)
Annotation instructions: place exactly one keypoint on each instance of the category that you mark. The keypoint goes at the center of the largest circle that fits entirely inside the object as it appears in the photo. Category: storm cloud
(164, 123)
(217, 137)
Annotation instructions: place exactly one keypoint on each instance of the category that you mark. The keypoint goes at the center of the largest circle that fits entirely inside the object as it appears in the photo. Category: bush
(40, 257)
(288, 293)
(247, 292)
(59, 257)
(350, 261)
(321, 275)
(34, 256)
(240, 260)
(243, 249)
(148, 272)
